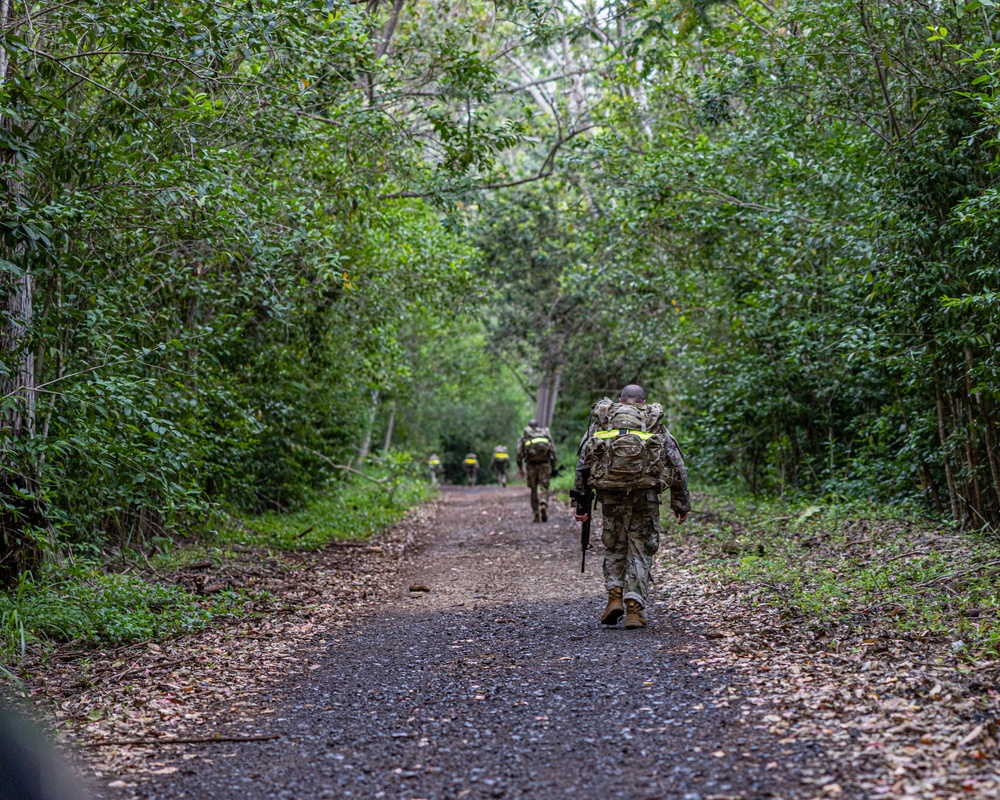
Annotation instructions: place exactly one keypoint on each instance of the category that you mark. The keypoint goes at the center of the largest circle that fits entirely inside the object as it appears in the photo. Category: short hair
(633, 394)
(533, 423)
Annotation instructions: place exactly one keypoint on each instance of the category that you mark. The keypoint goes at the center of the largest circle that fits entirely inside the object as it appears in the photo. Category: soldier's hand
(520, 472)
(580, 517)
(681, 517)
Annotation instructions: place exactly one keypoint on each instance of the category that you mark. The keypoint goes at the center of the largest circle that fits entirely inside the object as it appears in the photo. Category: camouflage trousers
(631, 537)
(500, 471)
(539, 476)
(471, 473)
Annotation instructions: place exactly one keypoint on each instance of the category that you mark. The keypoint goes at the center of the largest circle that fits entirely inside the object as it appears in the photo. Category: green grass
(92, 604)
(846, 568)
(354, 510)
(85, 604)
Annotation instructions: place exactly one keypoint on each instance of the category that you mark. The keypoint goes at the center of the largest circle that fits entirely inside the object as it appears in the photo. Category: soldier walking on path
(501, 460)
(434, 465)
(629, 457)
(471, 467)
(536, 454)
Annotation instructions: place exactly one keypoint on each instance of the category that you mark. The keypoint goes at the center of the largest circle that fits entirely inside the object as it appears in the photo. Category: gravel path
(499, 683)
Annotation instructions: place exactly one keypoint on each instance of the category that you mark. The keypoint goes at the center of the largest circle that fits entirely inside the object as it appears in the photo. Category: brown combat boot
(633, 615)
(545, 513)
(615, 609)
(536, 517)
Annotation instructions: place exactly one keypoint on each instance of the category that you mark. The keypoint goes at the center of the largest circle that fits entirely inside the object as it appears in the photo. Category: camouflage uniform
(434, 465)
(538, 475)
(501, 461)
(632, 523)
(471, 467)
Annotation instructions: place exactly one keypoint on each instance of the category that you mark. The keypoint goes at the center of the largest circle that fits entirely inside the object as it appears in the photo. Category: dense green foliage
(221, 295)
(238, 241)
(782, 224)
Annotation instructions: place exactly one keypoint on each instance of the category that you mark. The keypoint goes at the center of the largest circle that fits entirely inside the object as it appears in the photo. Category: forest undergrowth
(848, 569)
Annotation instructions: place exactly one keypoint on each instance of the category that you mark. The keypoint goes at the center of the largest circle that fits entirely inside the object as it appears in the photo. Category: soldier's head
(532, 423)
(633, 395)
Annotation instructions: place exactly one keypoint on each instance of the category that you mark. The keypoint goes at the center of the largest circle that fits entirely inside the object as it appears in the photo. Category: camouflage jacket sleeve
(520, 452)
(676, 476)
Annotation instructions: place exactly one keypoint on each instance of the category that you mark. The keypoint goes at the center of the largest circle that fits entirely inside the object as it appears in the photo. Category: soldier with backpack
(501, 460)
(536, 454)
(471, 466)
(435, 468)
(629, 457)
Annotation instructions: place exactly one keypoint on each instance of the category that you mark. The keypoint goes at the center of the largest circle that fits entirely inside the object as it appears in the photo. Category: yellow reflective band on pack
(471, 461)
(622, 432)
(538, 439)
(433, 462)
(500, 455)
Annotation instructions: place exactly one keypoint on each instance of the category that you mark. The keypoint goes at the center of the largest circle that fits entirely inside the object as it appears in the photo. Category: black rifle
(584, 505)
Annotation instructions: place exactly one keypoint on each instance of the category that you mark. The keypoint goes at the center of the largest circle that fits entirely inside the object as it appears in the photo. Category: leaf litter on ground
(211, 684)
(898, 711)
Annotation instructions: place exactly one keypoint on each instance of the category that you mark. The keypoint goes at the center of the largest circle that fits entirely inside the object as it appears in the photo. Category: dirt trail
(499, 683)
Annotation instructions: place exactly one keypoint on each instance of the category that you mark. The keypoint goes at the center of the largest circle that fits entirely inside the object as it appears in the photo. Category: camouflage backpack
(624, 454)
(537, 444)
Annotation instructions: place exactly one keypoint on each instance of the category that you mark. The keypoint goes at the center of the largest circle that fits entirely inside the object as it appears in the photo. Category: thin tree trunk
(542, 400)
(389, 29)
(390, 426)
(550, 411)
(548, 392)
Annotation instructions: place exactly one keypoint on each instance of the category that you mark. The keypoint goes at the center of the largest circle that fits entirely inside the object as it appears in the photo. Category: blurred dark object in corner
(30, 767)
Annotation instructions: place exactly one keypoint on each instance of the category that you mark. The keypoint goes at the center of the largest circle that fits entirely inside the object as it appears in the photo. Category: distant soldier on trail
(629, 457)
(536, 455)
(471, 467)
(434, 465)
(501, 460)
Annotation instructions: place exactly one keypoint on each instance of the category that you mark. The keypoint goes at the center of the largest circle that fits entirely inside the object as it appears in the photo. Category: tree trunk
(548, 392)
(389, 428)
